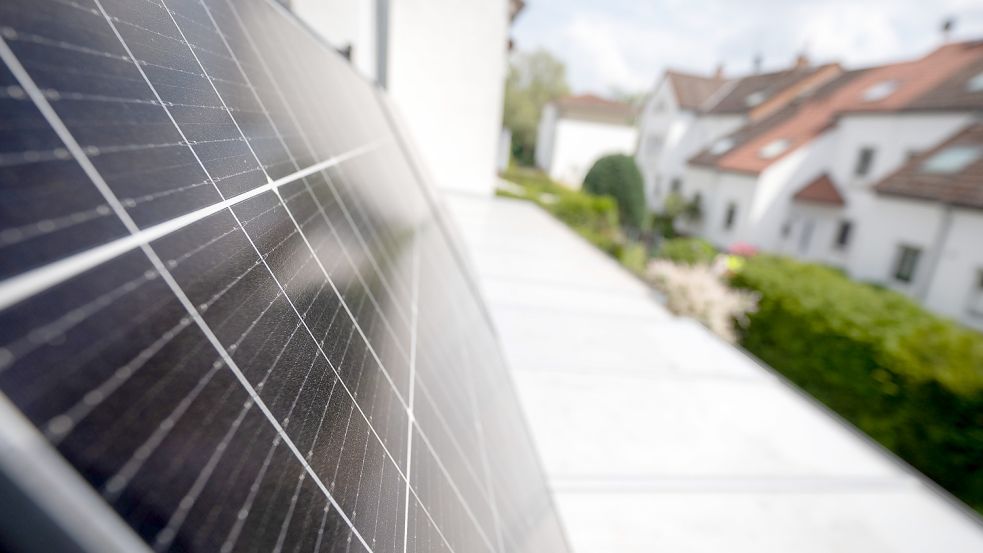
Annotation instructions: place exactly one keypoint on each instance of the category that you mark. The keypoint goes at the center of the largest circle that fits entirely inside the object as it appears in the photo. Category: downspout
(382, 42)
(935, 254)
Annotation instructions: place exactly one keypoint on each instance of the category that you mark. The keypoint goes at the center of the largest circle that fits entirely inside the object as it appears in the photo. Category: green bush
(634, 256)
(618, 176)
(689, 251)
(909, 379)
(593, 217)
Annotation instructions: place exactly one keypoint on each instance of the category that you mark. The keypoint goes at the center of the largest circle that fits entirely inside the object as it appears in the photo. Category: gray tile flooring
(657, 436)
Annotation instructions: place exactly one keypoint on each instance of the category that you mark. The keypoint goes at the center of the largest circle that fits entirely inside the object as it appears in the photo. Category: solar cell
(229, 301)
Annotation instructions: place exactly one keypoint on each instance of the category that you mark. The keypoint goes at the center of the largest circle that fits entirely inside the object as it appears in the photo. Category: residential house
(804, 180)
(685, 113)
(576, 131)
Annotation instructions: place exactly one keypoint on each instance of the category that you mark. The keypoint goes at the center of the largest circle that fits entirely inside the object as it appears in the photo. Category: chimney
(756, 64)
(719, 72)
(801, 61)
(948, 24)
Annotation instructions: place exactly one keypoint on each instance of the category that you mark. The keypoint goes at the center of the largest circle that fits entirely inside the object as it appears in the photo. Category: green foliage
(687, 251)
(634, 256)
(593, 217)
(911, 380)
(533, 80)
(618, 176)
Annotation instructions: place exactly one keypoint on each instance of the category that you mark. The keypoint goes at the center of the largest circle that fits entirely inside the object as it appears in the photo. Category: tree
(534, 79)
(618, 176)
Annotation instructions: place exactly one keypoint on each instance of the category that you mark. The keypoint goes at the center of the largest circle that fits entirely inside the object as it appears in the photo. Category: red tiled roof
(955, 93)
(692, 91)
(765, 85)
(748, 132)
(822, 191)
(589, 104)
(963, 187)
(913, 80)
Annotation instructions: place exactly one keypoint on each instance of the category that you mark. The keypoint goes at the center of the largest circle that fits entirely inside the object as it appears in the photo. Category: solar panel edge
(47, 493)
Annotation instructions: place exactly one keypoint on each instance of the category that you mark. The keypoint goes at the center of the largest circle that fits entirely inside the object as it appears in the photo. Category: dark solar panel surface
(228, 299)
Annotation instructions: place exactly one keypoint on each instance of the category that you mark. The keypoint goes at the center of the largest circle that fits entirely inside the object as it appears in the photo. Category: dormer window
(755, 98)
(975, 84)
(774, 149)
(880, 90)
(721, 146)
(951, 160)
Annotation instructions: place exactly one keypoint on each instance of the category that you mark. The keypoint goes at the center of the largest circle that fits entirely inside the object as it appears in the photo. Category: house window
(880, 90)
(864, 160)
(843, 235)
(773, 149)
(676, 185)
(786, 229)
(907, 263)
(975, 84)
(721, 146)
(976, 300)
(730, 216)
(951, 160)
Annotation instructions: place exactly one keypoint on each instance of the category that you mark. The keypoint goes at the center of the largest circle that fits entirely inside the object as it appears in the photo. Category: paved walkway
(656, 436)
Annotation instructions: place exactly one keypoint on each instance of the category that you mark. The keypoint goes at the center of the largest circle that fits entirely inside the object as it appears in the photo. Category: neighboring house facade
(443, 64)
(576, 131)
(803, 181)
(668, 134)
(685, 113)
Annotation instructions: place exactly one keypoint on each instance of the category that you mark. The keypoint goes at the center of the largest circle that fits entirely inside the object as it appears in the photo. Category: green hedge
(909, 379)
(689, 251)
(593, 217)
(618, 176)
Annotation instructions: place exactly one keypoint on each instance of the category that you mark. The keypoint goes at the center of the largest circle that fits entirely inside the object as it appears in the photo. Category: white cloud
(624, 44)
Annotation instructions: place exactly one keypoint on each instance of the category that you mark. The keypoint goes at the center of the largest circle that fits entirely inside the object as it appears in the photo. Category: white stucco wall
(545, 133)
(718, 190)
(954, 288)
(893, 136)
(343, 23)
(447, 63)
(445, 74)
(670, 136)
(578, 144)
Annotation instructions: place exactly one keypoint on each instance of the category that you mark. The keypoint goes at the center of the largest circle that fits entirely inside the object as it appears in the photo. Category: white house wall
(957, 277)
(545, 133)
(670, 137)
(447, 63)
(578, 144)
(893, 137)
(653, 125)
(717, 191)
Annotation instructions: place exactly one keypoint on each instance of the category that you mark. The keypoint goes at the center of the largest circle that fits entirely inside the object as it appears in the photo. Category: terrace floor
(657, 436)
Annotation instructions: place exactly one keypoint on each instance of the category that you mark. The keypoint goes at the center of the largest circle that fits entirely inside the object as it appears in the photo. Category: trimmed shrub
(634, 256)
(909, 379)
(688, 251)
(618, 176)
(593, 217)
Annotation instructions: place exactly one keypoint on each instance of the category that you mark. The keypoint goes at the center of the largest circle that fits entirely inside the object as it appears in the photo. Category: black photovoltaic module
(229, 302)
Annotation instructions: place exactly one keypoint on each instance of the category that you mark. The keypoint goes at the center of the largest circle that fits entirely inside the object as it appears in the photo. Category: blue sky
(623, 44)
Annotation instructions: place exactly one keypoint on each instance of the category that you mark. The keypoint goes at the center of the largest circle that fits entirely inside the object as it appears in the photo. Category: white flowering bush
(699, 291)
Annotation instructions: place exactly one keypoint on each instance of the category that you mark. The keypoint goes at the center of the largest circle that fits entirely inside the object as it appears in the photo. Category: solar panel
(230, 302)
